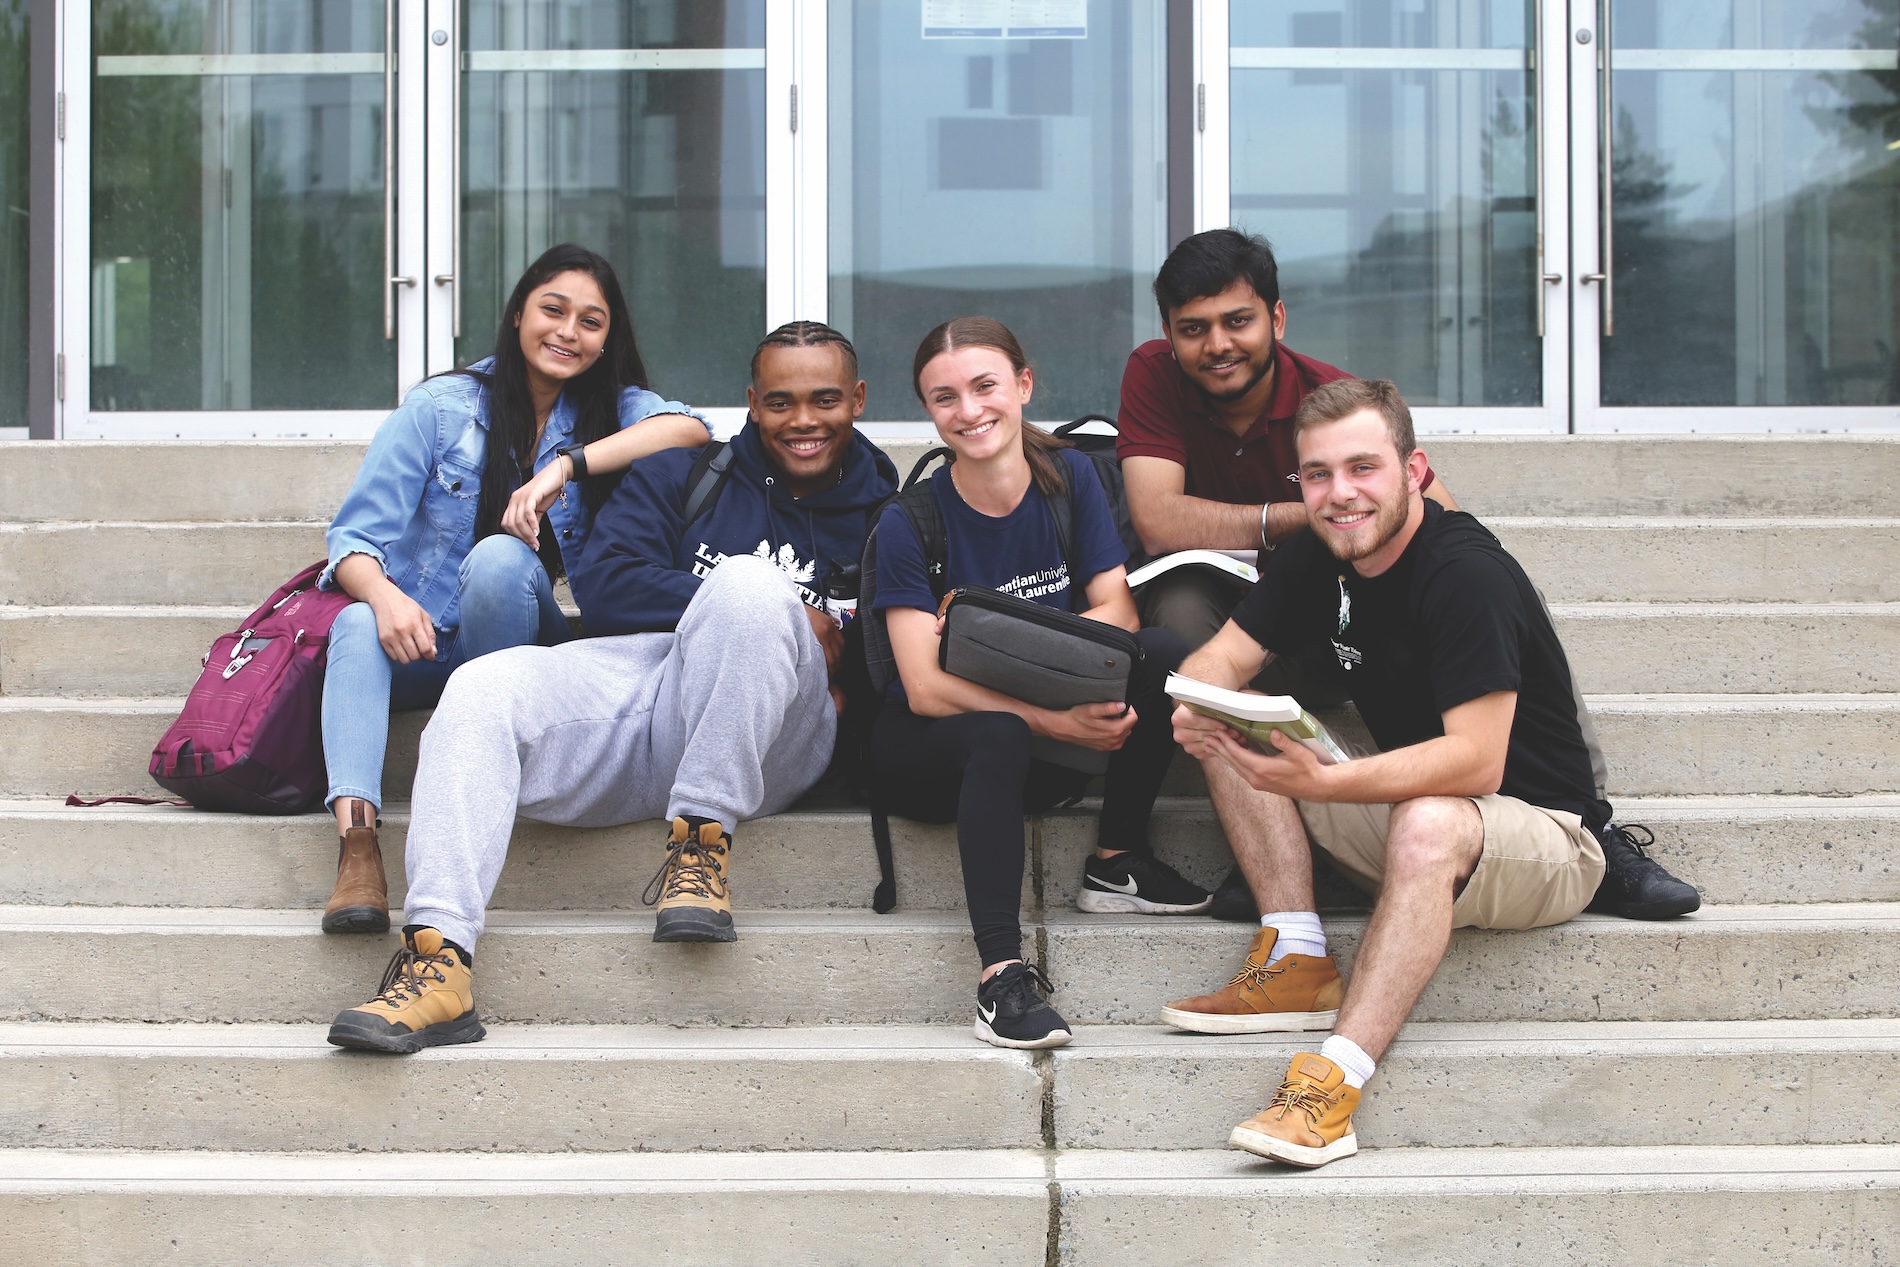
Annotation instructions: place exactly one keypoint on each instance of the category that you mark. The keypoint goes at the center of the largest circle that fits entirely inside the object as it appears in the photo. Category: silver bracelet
(1264, 543)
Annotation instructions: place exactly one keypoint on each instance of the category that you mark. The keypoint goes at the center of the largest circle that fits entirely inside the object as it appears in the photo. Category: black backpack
(1100, 450)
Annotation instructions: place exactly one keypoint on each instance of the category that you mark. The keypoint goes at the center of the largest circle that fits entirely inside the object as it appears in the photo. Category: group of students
(710, 685)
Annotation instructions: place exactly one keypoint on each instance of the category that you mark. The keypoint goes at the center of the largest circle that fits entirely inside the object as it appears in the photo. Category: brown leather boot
(360, 902)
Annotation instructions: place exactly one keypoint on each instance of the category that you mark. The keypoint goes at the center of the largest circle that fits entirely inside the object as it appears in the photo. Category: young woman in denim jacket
(473, 498)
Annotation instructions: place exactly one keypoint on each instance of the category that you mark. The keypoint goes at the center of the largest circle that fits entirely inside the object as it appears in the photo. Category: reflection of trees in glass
(147, 197)
(1674, 290)
(14, 79)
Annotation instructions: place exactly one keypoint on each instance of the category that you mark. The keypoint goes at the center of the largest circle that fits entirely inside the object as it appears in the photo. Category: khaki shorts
(1539, 866)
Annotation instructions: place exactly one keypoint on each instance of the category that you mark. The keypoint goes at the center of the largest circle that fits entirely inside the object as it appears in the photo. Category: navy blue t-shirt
(1018, 553)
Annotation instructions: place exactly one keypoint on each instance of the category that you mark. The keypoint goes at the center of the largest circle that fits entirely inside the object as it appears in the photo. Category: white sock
(1300, 934)
(1347, 1055)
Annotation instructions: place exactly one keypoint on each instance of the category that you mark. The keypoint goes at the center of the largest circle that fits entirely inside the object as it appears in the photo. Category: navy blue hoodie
(643, 563)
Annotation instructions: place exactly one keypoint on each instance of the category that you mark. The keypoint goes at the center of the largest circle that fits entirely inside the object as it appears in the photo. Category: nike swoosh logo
(988, 1014)
(1130, 888)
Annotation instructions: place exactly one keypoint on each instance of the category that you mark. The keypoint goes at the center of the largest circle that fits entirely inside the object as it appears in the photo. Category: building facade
(230, 218)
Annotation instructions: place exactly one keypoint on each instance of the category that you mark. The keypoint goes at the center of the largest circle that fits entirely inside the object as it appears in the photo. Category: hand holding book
(1256, 717)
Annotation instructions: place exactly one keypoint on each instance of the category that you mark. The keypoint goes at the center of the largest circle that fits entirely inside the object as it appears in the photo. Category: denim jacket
(412, 506)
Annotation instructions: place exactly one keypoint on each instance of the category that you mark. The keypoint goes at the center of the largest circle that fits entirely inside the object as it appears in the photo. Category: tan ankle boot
(360, 901)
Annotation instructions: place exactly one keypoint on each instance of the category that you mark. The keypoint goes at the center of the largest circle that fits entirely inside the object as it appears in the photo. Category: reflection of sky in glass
(1746, 24)
(1357, 24)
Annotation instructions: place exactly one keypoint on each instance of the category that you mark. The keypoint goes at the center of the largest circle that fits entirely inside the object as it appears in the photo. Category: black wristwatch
(577, 454)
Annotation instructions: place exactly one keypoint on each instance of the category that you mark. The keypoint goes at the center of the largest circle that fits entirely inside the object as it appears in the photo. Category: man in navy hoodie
(709, 702)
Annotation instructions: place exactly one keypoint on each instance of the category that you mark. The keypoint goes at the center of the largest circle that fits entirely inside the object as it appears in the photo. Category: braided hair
(807, 334)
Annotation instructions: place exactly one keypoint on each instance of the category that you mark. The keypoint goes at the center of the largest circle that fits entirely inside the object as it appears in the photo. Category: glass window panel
(237, 205)
(661, 170)
(1020, 178)
(1756, 209)
(13, 211)
(1399, 196)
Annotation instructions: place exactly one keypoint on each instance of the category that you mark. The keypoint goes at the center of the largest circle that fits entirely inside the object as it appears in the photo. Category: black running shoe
(1011, 1012)
(1138, 884)
(1233, 900)
(1635, 885)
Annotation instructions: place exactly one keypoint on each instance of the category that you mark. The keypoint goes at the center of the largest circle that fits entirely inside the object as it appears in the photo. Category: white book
(1257, 716)
(1237, 563)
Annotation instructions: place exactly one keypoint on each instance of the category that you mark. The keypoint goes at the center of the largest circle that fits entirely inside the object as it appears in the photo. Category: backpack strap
(712, 467)
(1084, 420)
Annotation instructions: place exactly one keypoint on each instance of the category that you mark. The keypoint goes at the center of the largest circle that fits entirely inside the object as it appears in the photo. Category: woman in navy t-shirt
(945, 748)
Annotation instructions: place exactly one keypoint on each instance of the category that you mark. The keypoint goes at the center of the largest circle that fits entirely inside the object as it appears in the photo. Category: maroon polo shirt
(1165, 415)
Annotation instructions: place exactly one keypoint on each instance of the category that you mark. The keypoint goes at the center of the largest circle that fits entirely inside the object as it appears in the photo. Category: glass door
(635, 129)
(1002, 158)
(243, 220)
(1737, 215)
(1406, 160)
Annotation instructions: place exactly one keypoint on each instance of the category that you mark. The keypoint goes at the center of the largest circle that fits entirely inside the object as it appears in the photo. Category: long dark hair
(1039, 447)
(595, 393)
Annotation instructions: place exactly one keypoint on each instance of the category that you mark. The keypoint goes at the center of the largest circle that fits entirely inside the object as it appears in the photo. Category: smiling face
(1225, 342)
(805, 400)
(563, 328)
(976, 397)
(1361, 498)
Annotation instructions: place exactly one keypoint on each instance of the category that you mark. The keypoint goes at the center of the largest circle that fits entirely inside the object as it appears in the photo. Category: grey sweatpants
(727, 718)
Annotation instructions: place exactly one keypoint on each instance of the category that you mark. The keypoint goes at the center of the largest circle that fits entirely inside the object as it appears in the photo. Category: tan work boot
(360, 901)
(427, 999)
(695, 903)
(1297, 993)
(1309, 1122)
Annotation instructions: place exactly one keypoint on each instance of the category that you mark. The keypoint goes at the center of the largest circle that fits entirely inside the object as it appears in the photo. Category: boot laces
(690, 869)
(1256, 975)
(409, 974)
(1304, 1096)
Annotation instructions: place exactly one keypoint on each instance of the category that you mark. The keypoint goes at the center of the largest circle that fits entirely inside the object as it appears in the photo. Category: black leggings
(974, 769)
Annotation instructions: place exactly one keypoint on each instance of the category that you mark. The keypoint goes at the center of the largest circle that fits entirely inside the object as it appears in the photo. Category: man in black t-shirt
(1480, 809)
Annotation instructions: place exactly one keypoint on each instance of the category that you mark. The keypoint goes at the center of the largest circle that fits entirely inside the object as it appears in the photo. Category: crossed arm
(1467, 760)
(1168, 519)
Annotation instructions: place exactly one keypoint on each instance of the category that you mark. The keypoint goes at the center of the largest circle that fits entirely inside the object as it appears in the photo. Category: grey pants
(728, 718)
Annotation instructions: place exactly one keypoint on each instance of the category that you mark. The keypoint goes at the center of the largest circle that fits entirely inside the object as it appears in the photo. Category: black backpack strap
(1084, 420)
(920, 506)
(884, 900)
(917, 467)
(712, 467)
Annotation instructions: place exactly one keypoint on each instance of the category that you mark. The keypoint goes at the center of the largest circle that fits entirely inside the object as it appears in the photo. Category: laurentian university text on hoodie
(643, 562)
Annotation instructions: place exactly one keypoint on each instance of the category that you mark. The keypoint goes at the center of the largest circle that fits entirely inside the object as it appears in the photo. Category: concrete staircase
(1716, 1089)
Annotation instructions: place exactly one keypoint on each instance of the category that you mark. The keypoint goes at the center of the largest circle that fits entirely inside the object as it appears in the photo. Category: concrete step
(1735, 849)
(1492, 475)
(128, 652)
(1657, 745)
(1715, 648)
(1574, 560)
(919, 968)
(1783, 1206)
(841, 1088)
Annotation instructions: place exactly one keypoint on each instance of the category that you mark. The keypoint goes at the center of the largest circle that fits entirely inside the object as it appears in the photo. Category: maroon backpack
(251, 736)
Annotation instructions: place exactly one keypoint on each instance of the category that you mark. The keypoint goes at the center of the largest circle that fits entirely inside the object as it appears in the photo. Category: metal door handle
(1593, 277)
(1551, 279)
(1537, 157)
(1606, 123)
(402, 281)
(389, 169)
(455, 166)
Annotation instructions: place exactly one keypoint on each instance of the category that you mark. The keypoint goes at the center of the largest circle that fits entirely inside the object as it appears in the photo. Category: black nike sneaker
(1138, 884)
(1635, 885)
(1233, 899)
(1011, 1012)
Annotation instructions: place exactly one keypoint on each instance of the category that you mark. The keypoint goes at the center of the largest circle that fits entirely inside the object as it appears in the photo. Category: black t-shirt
(1455, 618)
